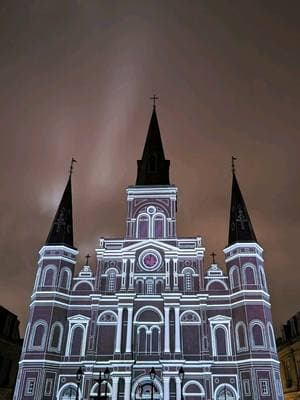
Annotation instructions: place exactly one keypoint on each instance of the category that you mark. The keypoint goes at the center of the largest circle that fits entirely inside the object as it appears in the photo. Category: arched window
(149, 286)
(111, 280)
(143, 225)
(262, 278)
(234, 277)
(49, 276)
(190, 328)
(38, 335)
(216, 284)
(158, 286)
(55, 337)
(258, 334)
(94, 391)
(107, 322)
(65, 279)
(225, 392)
(188, 279)
(68, 392)
(77, 335)
(220, 340)
(249, 275)
(194, 390)
(159, 226)
(271, 337)
(142, 339)
(140, 286)
(154, 340)
(241, 336)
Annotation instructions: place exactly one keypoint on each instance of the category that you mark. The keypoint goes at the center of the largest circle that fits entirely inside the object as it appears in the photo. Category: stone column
(115, 381)
(178, 388)
(131, 275)
(167, 273)
(127, 388)
(119, 331)
(166, 394)
(167, 330)
(177, 330)
(129, 330)
(123, 279)
(175, 274)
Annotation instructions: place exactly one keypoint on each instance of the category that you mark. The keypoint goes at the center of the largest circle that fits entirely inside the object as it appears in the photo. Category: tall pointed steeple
(153, 168)
(240, 227)
(61, 232)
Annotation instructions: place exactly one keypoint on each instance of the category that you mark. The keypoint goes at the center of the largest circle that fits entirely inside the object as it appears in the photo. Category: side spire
(153, 168)
(61, 231)
(240, 226)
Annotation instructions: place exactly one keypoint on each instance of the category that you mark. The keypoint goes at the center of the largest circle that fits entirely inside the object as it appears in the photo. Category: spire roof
(240, 226)
(153, 168)
(61, 231)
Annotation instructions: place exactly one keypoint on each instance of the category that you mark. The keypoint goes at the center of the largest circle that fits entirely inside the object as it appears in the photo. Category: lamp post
(140, 390)
(152, 377)
(181, 377)
(79, 374)
(106, 375)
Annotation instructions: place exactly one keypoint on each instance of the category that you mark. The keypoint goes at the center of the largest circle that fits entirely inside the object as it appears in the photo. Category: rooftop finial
(213, 254)
(154, 98)
(233, 159)
(87, 259)
(73, 161)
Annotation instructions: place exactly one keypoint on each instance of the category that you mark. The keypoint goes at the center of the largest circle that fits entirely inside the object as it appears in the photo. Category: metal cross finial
(213, 254)
(154, 98)
(73, 161)
(87, 259)
(233, 159)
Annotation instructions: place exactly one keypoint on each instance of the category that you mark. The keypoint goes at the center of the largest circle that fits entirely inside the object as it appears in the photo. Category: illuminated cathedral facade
(150, 305)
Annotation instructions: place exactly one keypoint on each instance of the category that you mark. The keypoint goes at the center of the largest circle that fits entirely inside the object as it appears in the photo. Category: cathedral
(150, 322)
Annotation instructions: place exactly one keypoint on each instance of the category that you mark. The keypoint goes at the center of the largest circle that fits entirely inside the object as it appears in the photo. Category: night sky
(75, 79)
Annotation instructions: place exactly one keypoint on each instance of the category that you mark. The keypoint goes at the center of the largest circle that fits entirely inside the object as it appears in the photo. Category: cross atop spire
(87, 257)
(233, 159)
(154, 97)
(240, 226)
(213, 254)
(73, 161)
(153, 168)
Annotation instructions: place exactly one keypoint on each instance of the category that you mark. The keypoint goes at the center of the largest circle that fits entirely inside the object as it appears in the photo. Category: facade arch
(190, 317)
(69, 392)
(143, 226)
(249, 274)
(158, 225)
(271, 336)
(241, 336)
(65, 278)
(111, 279)
(262, 278)
(258, 334)
(86, 285)
(55, 337)
(107, 318)
(49, 276)
(76, 345)
(234, 277)
(94, 390)
(218, 283)
(38, 335)
(193, 389)
(145, 383)
(225, 392)
(188, 282)
(143, 310)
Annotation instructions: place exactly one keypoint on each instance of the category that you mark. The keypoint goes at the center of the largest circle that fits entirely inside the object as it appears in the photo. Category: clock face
(150, 260)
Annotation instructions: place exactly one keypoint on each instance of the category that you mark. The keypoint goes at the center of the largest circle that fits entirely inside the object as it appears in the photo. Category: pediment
(219, 318)
(157, 244)
(78, 317)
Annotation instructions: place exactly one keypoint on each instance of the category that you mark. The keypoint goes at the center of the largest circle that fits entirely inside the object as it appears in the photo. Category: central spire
(153, 168)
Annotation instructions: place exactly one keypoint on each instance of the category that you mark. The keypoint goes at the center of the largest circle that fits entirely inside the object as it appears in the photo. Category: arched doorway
(68, 392)
(225, 392)
(94, 390)
(142, 389)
